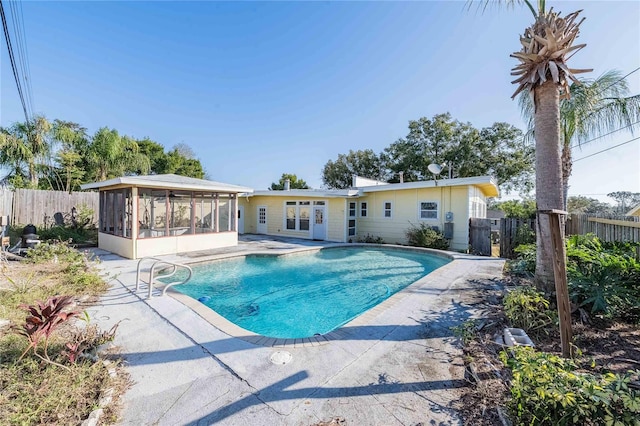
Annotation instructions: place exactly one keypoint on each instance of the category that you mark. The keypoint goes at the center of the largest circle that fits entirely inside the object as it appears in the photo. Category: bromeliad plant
(43, 319)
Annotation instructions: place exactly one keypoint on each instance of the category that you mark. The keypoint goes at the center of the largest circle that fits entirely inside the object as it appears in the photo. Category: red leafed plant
(43, 319)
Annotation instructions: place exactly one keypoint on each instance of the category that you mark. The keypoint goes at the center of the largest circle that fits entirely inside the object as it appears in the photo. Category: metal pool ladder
(174, 266)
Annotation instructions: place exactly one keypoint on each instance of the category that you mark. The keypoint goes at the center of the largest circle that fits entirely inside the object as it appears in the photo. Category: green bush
(604, 278)
(64, 233)
(371, 239)
(425, 236)
(549, 390)
(525, 262)
(527, 308)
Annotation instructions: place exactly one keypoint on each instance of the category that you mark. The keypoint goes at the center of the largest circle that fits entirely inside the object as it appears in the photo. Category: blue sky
(259, 89)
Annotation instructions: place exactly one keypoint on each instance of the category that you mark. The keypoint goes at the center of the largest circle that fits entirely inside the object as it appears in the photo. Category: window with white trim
(363, 209)
(352, 209)
(387, 209)
(305, 214)
(351, 224)
(428, 210)
(297, 215)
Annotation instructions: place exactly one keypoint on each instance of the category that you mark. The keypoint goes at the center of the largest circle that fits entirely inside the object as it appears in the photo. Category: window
(352, 227)
(298, 215)
(164, 212)
(115, 212)
(305, 213)
(363, 209)
(386, 209)
(291, 215)
(352, 209)
(428, 210)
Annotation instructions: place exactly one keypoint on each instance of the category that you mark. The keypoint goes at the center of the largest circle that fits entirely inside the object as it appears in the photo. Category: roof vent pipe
(287, 185)
(401, 174)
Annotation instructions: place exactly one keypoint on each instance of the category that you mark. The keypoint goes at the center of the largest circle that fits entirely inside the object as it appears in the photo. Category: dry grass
(34, 392)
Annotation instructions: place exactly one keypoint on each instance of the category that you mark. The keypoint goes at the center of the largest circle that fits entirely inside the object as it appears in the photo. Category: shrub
(604, 277)
(372, 239)
(549, 390)
(425, 236)
(526, 308)
(525, 262)
(465, 331)
(55, 251)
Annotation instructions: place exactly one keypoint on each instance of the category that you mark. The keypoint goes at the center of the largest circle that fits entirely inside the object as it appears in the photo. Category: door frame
(261, 228)
(324, 222)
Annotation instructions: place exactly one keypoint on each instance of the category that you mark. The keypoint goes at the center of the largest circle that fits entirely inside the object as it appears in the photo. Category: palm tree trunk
(548, 177)
(567, 166)
(33, 175)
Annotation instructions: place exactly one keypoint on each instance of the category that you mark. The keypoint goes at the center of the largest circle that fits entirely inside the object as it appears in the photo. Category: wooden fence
(40, 207)
(610, 229)
(480, 236)
(514, 232)
(616, 228)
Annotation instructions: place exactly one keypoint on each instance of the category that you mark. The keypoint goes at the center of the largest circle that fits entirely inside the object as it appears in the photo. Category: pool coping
(233, 330)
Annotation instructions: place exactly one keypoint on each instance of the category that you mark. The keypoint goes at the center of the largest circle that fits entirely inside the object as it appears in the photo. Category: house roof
(310, 193)
(169, 181)
(634, 211)
(486, 183)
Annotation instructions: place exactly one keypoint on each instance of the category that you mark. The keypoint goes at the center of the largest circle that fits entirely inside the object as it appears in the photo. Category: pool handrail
(156, 262)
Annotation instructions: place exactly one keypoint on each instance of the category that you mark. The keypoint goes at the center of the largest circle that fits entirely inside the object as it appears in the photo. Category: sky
(258, 89)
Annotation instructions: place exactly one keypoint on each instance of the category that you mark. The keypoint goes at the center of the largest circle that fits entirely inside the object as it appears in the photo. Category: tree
(25, 148)
(338, 174)
(294, 183)
(70, 158)
(522, 209)
(176, 163)
(111, 155)
(625, 199)
(596, 107)
(155, 152)
(499, 150)
(544, 74)
(584, 205)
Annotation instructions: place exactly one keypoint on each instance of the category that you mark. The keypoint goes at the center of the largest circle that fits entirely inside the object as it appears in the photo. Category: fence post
(560, 274)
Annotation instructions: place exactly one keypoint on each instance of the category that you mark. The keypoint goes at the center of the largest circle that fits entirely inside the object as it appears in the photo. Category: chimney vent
(287, 185)
(401, 177)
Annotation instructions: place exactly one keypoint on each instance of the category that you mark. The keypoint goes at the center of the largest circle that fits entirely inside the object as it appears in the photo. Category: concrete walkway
(397, 365)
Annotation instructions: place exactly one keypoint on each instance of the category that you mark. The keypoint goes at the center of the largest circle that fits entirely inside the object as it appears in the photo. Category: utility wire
(618, 81)
(602, 136)
(22, 59)
(12, 60)
(605, 150)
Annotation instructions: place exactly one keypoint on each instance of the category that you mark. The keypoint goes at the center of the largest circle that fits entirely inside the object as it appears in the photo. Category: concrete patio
(396, 365)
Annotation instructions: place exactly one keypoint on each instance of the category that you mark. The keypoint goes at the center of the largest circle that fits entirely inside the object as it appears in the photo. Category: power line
(22, 62)
(606, 134)
(12, 60)
(605, 150)
(619, 80)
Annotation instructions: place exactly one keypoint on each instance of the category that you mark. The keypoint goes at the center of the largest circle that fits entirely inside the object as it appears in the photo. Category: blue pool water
(301, 295)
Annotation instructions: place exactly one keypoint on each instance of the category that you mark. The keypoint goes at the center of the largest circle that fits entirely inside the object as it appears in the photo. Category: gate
(480, 236)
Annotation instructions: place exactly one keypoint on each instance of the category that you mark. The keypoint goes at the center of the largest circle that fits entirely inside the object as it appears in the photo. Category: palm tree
(596, 107)
(543, 73)
(114, 155)
(73, 138)
(26, 145)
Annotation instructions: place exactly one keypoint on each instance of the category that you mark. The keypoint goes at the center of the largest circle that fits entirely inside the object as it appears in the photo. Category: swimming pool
(301, 295)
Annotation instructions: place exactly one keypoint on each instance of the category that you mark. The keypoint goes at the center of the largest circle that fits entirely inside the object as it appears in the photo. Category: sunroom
(166, 214)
